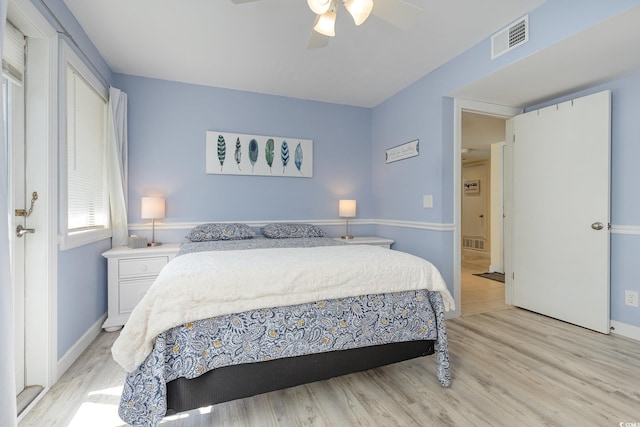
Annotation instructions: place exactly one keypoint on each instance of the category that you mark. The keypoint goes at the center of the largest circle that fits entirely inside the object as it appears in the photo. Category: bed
(229, 319)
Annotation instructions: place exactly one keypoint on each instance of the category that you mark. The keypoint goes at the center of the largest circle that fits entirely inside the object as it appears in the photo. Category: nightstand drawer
(131, 273)
(140, 267)
(131, 293)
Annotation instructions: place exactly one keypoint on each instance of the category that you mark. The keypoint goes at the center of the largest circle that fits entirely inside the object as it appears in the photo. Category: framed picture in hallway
(472, 187)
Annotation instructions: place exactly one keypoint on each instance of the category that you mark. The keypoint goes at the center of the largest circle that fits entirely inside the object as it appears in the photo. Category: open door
(560, 196)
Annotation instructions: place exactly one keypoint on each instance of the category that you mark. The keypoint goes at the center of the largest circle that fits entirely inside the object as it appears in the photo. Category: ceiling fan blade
(397, 12)
(317, 40)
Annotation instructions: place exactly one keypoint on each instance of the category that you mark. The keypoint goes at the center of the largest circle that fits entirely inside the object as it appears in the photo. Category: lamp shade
(152, 207)
(359, 9)
(347, 208)
(319, 6)
(326, 24)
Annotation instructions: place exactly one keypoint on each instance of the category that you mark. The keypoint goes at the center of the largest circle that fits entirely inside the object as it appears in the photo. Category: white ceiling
(261, 46)
(604, 52)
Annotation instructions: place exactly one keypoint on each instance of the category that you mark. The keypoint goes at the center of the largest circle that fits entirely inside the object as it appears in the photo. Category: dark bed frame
(240, 381)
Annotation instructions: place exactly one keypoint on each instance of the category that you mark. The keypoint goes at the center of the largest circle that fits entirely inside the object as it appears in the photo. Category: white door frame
(16, 157)
(460, 105)
(41, 255)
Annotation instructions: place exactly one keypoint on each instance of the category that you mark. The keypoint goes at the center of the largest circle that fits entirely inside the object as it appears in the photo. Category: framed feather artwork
(242, 154)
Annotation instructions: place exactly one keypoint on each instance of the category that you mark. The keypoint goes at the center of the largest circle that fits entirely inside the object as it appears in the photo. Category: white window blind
(87, 205)
(13, 54)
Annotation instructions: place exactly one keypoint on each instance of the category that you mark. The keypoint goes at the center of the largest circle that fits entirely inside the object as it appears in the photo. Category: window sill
(81, 238)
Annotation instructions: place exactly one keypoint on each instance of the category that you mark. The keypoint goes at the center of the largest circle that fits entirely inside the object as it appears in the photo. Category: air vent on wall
(510, 37)
(471, 243)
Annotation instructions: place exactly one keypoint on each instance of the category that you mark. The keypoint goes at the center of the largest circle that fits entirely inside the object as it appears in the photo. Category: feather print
(284, 155)
(268, 153)
(222, 150)
(253, 153)
(238, 153)
(297, 157)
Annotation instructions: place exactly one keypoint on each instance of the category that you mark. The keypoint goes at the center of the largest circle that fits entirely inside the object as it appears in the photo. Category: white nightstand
(131, 273)
(373, 241)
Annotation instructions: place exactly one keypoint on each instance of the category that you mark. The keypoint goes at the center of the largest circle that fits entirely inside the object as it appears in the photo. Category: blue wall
(59, 16)
(82, 291)
(424, 112)
(168, 121)
(167, 126)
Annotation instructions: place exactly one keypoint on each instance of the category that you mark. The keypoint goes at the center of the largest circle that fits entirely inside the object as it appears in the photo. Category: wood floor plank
(510, 367)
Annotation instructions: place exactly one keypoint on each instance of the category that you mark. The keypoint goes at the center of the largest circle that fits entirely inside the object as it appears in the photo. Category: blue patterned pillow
(286, 231)
(212, 231)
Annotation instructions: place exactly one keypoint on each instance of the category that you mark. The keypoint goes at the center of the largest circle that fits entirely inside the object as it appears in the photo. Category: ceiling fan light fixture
(319, 7)
(326, 24)
(359, 9)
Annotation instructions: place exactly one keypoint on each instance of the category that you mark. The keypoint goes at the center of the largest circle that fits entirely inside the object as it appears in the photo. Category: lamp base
(346, 237)
(154, 244)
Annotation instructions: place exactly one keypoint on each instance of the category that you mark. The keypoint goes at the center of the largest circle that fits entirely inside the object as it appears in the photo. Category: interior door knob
(597, 226)
(21, 231)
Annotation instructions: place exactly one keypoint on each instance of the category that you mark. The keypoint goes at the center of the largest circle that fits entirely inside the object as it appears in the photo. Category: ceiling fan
(397, 12)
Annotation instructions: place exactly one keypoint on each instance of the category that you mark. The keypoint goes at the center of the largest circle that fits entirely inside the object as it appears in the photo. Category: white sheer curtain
(117, 165)
(7, 373)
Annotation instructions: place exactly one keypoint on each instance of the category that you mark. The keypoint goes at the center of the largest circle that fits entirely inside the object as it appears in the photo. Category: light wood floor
(510, 367)
(478, 294)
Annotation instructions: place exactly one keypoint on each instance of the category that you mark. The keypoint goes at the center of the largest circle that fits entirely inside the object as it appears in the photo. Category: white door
(13, 97)
(561, 166)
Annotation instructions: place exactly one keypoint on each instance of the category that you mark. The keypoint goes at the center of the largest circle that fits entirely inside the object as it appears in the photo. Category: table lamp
(152, 207)
(347, 209)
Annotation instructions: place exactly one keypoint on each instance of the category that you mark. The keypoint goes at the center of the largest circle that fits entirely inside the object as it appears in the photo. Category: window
(85, 201)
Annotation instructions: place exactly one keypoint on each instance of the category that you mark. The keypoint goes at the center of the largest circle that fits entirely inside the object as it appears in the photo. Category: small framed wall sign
(472, 187)
(404, 151)
(242, 154)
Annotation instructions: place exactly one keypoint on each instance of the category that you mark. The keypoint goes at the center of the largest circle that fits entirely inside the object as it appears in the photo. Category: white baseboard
(81, 345)
(625, 330)
(32, 405)
(479, 254)
(496, 269)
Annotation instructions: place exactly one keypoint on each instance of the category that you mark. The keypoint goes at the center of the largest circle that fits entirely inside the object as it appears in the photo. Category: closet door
(561, 175)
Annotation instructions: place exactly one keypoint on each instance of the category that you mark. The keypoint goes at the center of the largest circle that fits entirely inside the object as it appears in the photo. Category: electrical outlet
(427, 201)
(631, 298)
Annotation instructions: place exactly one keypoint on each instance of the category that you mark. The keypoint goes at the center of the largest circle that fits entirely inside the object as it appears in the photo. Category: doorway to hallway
(482, 142)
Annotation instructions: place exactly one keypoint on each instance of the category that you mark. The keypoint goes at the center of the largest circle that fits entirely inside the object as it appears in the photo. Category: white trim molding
(432, 226)
(41, 334)
(632, 230)
(625, 330)
(326, 222)
(460, 105)
(254, 224)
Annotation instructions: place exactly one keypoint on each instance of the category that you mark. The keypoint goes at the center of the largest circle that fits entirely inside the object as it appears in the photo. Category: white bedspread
(206, 284)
